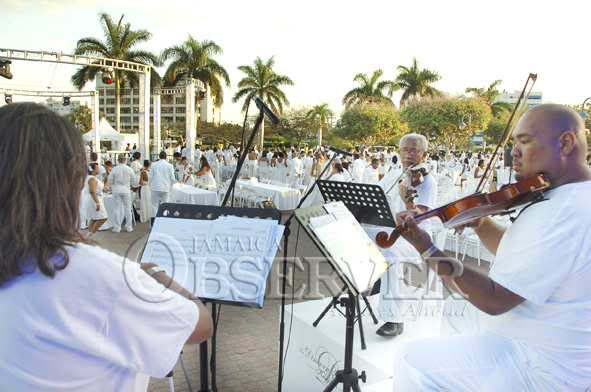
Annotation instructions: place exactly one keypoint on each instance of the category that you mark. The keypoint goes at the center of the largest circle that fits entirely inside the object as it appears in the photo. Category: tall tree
(194, 59)
(373, 123)
(438, 118)
(263, 81)
(490, 96)
(416, 82)
(371, 89)
(119, 43)
(320, 115)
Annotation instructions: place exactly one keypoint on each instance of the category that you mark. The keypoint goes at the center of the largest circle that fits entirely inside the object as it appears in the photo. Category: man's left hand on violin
(417, 237)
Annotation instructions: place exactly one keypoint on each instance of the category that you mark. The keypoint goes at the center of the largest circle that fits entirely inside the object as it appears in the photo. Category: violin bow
(520, 109)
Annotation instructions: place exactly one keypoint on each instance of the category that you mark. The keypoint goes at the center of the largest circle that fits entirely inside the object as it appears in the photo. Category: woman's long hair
(38, 206)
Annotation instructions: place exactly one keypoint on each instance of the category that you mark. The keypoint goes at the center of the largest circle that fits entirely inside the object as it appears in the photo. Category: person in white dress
(95, 206)
(145, 193)
(337, 173)
(280, 167)
(136, 166)
(186, 172)
(358, 168)
(205, 175)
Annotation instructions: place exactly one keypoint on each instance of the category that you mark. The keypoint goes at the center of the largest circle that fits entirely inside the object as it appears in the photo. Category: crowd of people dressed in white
(146, 185)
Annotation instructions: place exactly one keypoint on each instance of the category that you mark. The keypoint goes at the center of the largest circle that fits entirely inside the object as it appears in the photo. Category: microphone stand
(286, 234)
(203, 346)
(243, 157)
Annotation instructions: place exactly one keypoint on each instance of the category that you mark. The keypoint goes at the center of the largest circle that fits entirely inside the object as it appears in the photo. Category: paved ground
(247, 339)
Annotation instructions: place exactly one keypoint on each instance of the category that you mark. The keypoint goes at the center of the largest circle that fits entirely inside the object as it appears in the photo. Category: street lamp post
(462, 126)
(583, 113)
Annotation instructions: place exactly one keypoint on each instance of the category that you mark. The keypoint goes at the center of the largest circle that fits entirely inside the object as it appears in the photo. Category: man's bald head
(550, 139)
(558, 119)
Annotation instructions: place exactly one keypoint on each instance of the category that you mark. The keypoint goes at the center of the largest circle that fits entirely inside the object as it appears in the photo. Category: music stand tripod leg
(359, 321)
(369, 308)
(348, 376)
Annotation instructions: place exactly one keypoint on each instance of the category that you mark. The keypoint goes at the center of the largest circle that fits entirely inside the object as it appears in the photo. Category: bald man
(527, 325)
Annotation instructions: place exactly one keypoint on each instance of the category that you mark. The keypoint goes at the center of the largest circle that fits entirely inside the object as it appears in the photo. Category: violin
(476, 206)
(481, 204)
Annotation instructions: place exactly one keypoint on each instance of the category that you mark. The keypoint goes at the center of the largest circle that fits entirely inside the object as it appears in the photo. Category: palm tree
(119, 43)
(370, 90)
(194, 59)
(320, 114)
(264, 82)
(490, 95)
(416, 82)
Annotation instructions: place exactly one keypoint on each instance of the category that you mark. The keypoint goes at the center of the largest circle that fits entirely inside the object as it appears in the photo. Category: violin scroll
(383, 240)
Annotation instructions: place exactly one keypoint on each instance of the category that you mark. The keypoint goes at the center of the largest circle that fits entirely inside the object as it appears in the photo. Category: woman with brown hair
(78, 317)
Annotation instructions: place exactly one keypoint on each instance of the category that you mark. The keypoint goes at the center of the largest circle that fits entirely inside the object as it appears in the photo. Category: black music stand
(368, 205)
(191, 211)
(348, 376)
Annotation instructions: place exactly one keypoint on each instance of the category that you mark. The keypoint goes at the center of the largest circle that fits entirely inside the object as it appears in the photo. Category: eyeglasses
(411, 151)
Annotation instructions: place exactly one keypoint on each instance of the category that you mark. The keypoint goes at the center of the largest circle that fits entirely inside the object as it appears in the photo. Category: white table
(285, 198)
(191, 195)
(110, 222)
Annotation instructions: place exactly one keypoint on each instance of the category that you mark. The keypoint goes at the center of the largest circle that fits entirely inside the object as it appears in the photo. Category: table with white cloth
(284, 198)
(110, 222)
(228, 169)
(191, 195)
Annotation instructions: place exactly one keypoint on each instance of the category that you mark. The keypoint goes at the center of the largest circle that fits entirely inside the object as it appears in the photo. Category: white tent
(107, 133)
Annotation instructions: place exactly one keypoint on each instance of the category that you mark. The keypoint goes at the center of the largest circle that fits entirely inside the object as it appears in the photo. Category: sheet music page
(353, 252)
(225, 259)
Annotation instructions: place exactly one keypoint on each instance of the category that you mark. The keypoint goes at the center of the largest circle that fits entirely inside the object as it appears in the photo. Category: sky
(321, 45)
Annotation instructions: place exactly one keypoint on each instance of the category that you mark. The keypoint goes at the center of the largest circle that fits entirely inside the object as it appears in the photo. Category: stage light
(7, 98)
(5, 68)
(108, 76)
(66, 101)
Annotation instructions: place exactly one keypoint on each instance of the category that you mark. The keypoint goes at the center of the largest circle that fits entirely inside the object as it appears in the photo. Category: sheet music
(225, 259)
(350, 247)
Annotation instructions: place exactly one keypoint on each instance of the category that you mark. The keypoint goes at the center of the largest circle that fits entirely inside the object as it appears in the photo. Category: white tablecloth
(285, 198)
(110, 222)
(192, 195)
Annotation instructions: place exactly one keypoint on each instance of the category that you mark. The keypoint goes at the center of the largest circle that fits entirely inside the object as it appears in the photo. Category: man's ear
(567, 142)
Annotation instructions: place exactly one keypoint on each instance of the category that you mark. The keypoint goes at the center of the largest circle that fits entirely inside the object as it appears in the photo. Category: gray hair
(415, 136)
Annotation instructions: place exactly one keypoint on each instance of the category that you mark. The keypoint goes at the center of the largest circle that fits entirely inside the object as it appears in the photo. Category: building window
(125, 91)
(180, 100)
(181, 110)
(126, 110)
(110, 110)
(125, 101)
(110, 92)
(136, 101)
(110, 101)
(101, 101)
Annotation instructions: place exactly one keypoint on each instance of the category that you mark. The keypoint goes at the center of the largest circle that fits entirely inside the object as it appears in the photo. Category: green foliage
(496, 126)
(212, 133)
(370, 89)
(438, 118)
(490, 95)
(296, 125)
(82, 118)
(262, 80)
(194, 59)
(416, 82)
(372, 123)
(119, 44)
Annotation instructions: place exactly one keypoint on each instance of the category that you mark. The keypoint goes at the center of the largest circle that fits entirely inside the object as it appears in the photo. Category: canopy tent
(107, 133)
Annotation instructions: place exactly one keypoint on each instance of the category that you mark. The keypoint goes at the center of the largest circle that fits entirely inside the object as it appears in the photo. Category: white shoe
(116, 231)
(129, 230)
